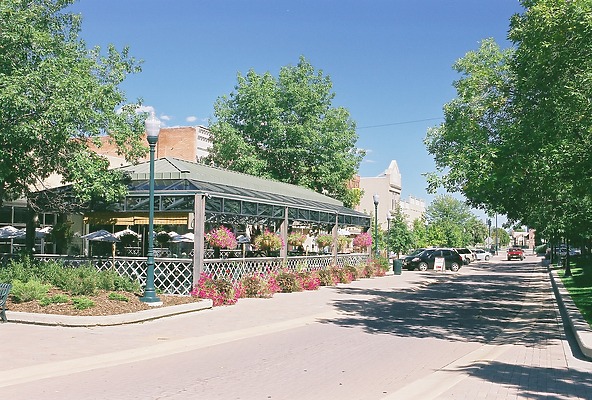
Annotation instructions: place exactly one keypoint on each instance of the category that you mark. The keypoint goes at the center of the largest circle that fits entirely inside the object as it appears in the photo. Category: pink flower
(221, 237)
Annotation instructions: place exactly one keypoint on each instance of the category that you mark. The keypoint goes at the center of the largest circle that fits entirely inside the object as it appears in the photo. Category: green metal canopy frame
(232, 197)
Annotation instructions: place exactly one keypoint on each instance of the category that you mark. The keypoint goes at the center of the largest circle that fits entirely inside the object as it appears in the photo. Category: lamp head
(152, 125)
(375, 198)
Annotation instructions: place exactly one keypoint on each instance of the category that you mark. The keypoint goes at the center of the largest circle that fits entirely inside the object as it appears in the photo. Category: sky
(390, 61)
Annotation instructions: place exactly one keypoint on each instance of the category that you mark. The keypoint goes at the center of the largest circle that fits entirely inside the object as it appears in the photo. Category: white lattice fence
(175, 276)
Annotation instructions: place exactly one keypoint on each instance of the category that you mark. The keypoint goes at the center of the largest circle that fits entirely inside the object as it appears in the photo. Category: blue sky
(390, 61)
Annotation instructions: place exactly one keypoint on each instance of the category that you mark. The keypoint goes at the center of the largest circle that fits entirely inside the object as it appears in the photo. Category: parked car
(465, 253)
(515, 253)
(425, 260)
(481, 254)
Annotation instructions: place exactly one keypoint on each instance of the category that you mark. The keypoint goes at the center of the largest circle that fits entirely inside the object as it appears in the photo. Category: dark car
(425, 260)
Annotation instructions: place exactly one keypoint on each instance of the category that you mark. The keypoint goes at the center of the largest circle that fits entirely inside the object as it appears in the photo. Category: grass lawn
(579, 286)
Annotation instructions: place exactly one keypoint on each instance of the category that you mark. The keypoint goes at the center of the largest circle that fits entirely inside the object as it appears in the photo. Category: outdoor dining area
(268, 225)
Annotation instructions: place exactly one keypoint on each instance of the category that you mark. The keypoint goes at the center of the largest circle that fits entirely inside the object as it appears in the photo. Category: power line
(400, 123)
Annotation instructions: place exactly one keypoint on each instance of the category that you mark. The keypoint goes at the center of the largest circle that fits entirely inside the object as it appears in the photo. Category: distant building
(413, 208)
(388, 188)
(190, 143)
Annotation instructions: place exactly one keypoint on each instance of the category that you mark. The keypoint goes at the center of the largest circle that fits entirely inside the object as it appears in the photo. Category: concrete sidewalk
(412, 281)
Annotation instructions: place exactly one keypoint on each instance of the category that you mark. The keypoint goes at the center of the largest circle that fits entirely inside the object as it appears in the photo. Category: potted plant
(323, 240)
(296, 239)
(362, 241)
(268, 242)
(221, 238)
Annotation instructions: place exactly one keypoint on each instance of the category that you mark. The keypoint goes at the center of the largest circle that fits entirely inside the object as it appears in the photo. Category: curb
(579, 326)
(107, 320)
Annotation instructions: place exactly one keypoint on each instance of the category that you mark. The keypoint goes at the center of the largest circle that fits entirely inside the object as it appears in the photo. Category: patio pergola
(196, 195)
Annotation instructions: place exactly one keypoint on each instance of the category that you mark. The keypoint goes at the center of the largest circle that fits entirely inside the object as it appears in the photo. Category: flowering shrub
(324, 240)
(220, 291)
(288, 282)
(268, 241)
(259, 286)
(363, 240)
(222, 238)
(308, 280)
(296, 239)
(327, 278)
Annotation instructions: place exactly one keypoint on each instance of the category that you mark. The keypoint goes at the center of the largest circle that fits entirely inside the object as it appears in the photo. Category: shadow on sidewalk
(475, 307)
(549, 384)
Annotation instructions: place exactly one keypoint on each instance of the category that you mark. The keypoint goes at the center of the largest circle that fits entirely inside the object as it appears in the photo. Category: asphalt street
(490, 331)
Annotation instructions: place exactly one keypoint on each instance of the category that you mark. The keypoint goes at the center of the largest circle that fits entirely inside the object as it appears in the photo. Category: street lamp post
(152, 130)
(388, 233)
(375, 198)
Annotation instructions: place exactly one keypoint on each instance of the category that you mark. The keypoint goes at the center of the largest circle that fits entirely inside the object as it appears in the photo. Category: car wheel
(454, 267)
(509, 258)
(521, 258)
(486, 258)
(422, 266)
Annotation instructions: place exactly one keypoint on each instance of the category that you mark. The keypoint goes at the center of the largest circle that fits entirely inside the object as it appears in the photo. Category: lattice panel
(175, 276)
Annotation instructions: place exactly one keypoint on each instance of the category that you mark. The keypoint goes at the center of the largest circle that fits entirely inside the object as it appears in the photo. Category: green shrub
(32, 290)
(55, 299)
(352, 272)
(79, 281)
(82, 303)
(288, 282)
(117, 296)
(326, 277)
(111, 280)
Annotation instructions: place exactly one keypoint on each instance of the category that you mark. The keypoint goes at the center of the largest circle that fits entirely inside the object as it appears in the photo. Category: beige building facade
(388, 186)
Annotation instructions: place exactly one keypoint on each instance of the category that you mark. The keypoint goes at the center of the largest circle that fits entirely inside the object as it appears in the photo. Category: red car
(515, 253)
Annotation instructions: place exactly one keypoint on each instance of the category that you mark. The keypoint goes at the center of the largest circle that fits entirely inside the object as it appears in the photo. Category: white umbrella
(41, 232)
(186, 238)
(101, 236)
(125, 232)
(10, 232)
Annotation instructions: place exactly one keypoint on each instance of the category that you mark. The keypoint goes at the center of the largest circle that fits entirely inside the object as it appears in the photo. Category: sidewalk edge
(107, 320)
(579, 326)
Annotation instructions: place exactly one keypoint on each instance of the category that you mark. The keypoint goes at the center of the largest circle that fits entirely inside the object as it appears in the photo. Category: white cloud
(165, 117)
(191, 119)
(147, 109)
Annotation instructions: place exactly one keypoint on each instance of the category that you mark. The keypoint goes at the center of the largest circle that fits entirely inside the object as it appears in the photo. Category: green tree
(399, 237)
(420, 234)
(448, 219)
(55, 97)
(287, 129)
(517, 139)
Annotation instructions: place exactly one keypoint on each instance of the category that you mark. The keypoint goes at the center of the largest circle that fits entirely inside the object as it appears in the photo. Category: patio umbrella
(10, 232)
(101, 236)
(124, 232)
(185, 238)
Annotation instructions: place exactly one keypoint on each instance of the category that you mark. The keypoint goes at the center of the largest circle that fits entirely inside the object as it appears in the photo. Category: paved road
(489, 332)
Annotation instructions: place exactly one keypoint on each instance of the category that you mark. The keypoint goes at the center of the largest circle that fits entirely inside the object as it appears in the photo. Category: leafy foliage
(57, 96)
(518, 137)
(287, 129)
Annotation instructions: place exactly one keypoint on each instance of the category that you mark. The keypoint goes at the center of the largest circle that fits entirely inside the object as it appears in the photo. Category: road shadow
(549, 384)
(474, 307)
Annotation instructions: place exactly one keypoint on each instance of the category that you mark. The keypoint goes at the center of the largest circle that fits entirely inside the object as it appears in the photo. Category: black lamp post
(375, 198)
(152, 130)
(388, 233)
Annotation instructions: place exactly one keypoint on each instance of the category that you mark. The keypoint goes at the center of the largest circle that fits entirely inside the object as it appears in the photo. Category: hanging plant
(221, 238)
(268, 241)
(296, 239)
(324, 240)
(362, 240)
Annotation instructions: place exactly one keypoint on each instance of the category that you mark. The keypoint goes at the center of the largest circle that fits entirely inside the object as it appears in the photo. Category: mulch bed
(102, 304)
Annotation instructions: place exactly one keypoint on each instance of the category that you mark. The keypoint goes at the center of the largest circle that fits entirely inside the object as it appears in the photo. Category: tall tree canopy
(55, 96)
(517, 139)
(287, 129)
